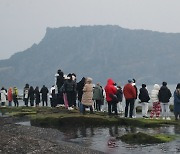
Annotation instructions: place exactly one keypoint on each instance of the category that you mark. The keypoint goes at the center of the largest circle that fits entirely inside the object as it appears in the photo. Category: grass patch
(50, 117)
(142, 138)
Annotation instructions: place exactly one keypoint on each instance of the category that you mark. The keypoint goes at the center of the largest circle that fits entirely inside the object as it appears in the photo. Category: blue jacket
(176, 102)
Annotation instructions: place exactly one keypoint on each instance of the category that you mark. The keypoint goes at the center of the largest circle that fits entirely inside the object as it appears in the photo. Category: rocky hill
(99, 52)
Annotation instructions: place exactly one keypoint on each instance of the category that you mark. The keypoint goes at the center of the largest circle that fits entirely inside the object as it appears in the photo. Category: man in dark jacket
(144, 98)
(44, 91)
(164, 96)
(59, 83)
(70, 90)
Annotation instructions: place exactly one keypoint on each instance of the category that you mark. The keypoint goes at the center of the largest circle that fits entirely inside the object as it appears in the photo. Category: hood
(110, 82)
(88, 80)
(156, 87)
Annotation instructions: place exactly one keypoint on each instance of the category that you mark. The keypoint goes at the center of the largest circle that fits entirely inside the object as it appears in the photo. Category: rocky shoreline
(15, 138)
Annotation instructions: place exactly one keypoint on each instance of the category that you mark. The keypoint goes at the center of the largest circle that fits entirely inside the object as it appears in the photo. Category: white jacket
(3, 96)
(51, 90)
(154, 93)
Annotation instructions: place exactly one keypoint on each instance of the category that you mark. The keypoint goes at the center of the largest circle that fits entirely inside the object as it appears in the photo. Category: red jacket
(10, 97)
(129, 91)
(110, 89)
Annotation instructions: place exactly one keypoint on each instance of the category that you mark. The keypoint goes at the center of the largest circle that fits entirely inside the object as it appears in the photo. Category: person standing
(111, 91)
(3, 96)
(88, 95)
(31, 95)
(26, 95)
(80, 86)
(144, 98)
(52, 96)
(15, 97)
(155, 100)
(130, 96)
(135, 102)
(70, 90)
(10, 96)
(164, 97)
(37, 96)
(59, 81)
(177, 102)
(98, 96)
(44, 91)
(120, 98)
(75, 91)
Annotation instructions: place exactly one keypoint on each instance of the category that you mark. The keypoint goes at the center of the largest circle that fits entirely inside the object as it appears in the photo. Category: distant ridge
(97, 51)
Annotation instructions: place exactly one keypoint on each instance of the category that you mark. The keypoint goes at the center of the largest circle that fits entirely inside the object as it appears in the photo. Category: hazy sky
(24, 22)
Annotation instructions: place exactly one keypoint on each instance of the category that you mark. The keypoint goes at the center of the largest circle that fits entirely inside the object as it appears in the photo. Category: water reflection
(3, 113)
(104, 139)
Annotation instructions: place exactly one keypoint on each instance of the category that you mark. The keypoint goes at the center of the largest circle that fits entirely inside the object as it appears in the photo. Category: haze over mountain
(99, 52)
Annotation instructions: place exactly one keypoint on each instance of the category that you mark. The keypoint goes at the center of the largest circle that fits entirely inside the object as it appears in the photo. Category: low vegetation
(142, 138)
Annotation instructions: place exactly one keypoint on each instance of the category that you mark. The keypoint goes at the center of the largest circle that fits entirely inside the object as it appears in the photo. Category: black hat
(164, 83)
(178, 86)
(143, 85)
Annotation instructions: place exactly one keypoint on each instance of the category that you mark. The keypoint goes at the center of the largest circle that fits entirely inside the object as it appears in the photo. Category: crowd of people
(10, 95)
(84, 94)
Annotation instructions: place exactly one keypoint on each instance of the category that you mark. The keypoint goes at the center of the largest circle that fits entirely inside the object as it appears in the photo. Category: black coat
(164, 94)
(80, 86)
(37, 95)
(119, 95)
(44, 92)
(69, 86)
(143, 95)
(136, 91)
(31, 94)
(60, 80)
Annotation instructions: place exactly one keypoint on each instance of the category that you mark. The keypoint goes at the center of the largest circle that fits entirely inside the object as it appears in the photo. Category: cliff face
(97, 51)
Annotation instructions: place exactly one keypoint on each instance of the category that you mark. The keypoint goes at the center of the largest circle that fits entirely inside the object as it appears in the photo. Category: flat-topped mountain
(99, 52)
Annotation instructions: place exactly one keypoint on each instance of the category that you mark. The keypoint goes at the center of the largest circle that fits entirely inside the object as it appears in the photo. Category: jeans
(129, 102)
(165, 109)
(144, 108)
(112, 106)
(120, 107)
(26, 101)
(44, 101)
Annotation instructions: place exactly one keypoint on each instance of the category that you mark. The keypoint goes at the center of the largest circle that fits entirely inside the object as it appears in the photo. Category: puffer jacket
(164, 94)
(154, 93)
(110, 89)
(88, 93)
(143, 95)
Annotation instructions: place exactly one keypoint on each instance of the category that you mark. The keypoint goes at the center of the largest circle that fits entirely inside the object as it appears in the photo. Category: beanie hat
(130, 81)
(164, 83)
(143, 85)
(178, 86)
